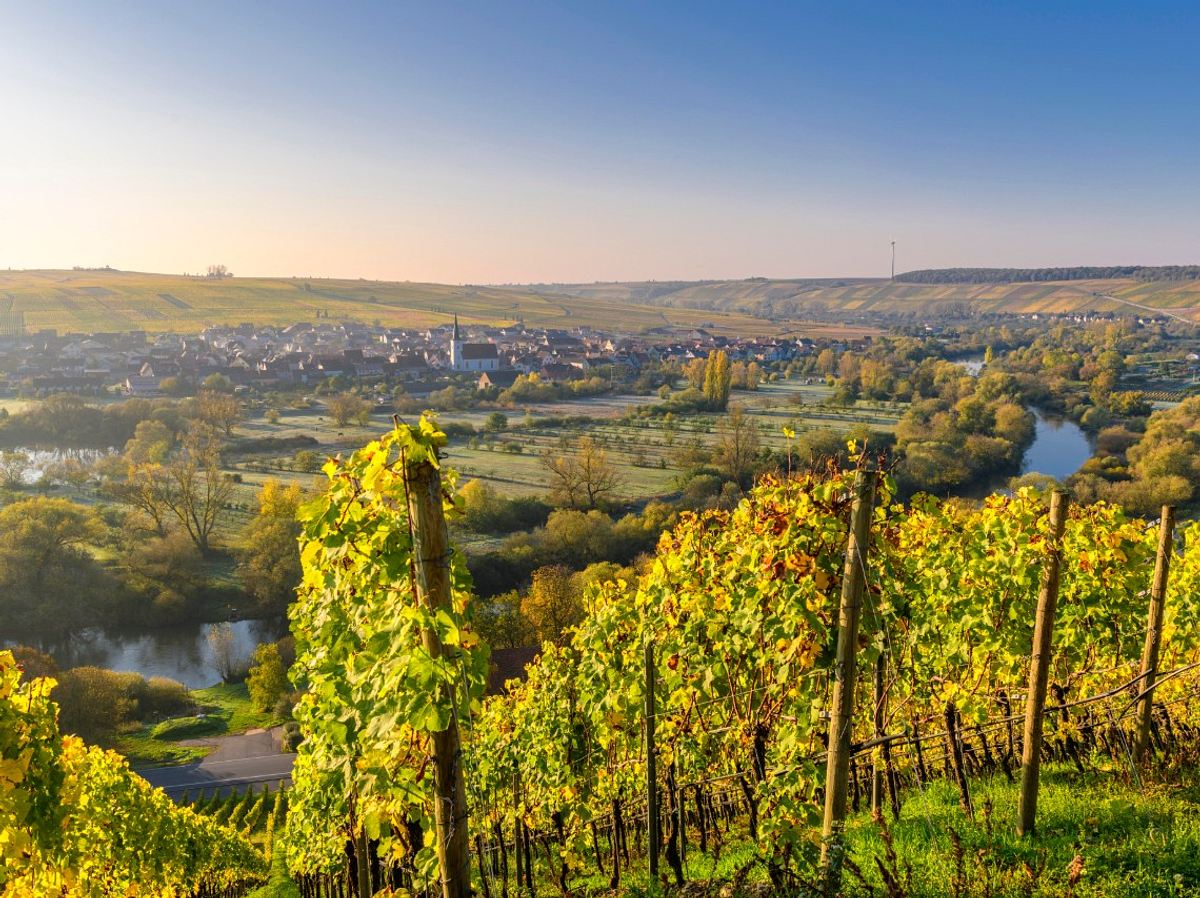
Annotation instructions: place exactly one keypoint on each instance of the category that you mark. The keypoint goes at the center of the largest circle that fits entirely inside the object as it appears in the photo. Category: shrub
(267, 680)
(164, 697)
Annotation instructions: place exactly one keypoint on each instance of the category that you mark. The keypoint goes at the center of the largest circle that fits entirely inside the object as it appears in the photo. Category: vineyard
(75, 821)
(817, 649)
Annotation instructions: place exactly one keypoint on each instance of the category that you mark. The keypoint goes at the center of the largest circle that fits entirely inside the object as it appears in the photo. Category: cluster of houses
(262, 357)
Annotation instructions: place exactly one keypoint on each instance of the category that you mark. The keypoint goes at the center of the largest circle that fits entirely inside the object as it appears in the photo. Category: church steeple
(456, 347)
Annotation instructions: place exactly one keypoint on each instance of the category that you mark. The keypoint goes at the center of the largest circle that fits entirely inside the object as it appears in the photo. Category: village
(253, 358)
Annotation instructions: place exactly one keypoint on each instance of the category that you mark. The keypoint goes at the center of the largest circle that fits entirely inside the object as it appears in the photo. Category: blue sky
(490, 142)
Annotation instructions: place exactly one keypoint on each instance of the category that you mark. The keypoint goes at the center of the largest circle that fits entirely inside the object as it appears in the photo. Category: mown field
(862, 295)
(122, 301)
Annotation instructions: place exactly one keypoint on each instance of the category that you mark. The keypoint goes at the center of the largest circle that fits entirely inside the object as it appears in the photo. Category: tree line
(1073, 273)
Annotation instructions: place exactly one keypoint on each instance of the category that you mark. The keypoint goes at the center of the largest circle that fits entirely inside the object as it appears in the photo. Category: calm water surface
(181, 653)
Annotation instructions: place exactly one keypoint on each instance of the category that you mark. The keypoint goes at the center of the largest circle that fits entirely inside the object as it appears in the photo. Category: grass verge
(226, 710)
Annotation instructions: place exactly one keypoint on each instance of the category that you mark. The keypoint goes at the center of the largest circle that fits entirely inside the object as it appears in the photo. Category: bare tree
(197, 488)
(188, 488)
(218, 409)
(738, 445)
(583, 480)
(229, 660)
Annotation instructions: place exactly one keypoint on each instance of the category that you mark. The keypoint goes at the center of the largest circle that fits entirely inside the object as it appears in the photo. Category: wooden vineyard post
(1158, 595)
(1039, 668)
(651, 767)
(877, 768)
(431, 551)
(841, 720)
(954, 749)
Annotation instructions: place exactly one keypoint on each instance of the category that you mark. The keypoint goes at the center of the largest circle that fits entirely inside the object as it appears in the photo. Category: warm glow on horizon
(481, 145)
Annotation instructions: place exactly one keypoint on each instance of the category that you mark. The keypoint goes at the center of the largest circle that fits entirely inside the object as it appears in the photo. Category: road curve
(236, 763)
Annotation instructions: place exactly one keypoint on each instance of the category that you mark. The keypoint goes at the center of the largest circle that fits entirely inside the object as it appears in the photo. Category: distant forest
(1079, 273)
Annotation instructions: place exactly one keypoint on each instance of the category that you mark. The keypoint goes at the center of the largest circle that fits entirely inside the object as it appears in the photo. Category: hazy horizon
(539, 144)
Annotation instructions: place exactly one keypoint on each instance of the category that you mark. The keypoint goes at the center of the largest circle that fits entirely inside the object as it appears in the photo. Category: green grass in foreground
(227, 710)
(279, 884)
(1129, 842)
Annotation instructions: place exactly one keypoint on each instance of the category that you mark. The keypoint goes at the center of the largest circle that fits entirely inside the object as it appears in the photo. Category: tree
(269, 567)
(346, 407)
(169, 567)
(217, 383)
(583, 480)
(738, 445)
(500, 622)
(552, 605)
(267, 680)
(754, 375)
(218, 410)
(717, 381)
(694, 372)
(190, 486)
(34, 663)
(227, 656)
(13, 465)
(49, 582)
(495, 422)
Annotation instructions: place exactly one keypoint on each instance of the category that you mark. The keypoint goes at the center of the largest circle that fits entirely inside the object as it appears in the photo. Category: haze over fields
(105, 300)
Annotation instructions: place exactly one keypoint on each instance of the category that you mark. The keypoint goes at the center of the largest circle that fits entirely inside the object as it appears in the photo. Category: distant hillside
(106, 300)
(1034, 275)
(854, 297)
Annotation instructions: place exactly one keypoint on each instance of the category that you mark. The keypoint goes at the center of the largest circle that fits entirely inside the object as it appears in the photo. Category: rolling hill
(107, 300)
(778, 298)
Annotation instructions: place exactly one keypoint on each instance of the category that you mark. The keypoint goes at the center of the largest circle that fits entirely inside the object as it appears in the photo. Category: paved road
(235, 763)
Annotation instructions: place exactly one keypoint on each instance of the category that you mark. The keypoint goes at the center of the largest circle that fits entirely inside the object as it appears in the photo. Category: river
(181, 652)
(1059, 447)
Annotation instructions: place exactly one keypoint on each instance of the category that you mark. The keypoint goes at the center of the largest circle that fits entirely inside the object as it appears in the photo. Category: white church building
(472, 356)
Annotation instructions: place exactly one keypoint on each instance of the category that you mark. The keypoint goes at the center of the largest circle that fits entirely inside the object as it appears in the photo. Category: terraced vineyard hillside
(782, 298)
(114, 300)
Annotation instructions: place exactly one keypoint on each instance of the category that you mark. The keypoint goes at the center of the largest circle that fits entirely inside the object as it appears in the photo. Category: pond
(181, 652)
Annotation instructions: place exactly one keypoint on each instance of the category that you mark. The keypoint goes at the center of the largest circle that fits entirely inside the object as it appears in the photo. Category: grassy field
(122, 301)
(642, 451)
(1179, 298)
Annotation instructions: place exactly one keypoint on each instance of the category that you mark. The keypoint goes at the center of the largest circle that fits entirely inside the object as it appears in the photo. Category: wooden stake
(877, 769)
(1039, 668)
(837, 767)
(431, 550)
(1158, 595)
(955, 750)
(651, 766)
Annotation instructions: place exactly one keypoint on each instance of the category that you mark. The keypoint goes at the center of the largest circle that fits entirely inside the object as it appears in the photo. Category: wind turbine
(893, 260)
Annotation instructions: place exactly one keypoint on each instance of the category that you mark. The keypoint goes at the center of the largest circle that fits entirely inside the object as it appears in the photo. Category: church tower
(456, 346)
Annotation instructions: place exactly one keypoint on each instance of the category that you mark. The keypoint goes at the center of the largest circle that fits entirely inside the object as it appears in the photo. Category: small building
(143, 385)
(501, 379)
